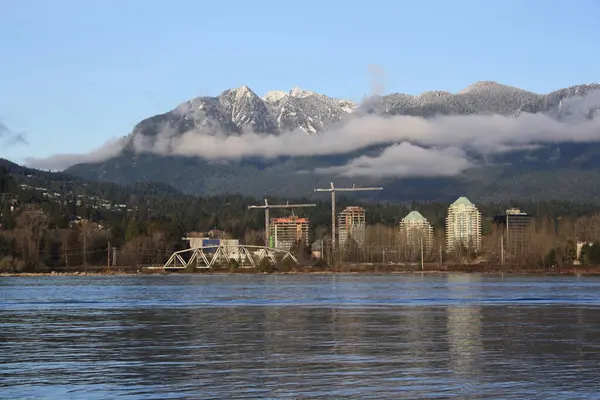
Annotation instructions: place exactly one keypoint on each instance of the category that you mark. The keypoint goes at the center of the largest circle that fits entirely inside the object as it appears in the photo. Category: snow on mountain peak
(243, 91)
(480, 85)
(435, 94)
(301, 93)
(491, 86)
(237, 110)
(274, 96)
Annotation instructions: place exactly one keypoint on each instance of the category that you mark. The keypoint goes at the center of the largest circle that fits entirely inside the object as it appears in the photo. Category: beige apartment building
(414, 229)
(463, 226)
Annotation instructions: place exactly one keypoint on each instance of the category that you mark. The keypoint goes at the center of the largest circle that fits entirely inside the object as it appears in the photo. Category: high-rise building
(351, 224)
(463, 225)
(414, 229)
(287, 231)
(513, 227)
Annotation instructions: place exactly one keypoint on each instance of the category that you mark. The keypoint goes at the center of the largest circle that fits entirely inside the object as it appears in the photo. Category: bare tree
(32, 226)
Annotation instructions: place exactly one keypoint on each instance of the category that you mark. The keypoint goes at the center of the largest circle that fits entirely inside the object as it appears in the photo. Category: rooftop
(289, 219)
(353, 209)
(414, 216)
(462, 201)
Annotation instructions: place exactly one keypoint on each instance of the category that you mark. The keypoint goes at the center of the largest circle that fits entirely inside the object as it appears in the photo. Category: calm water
(300, 337)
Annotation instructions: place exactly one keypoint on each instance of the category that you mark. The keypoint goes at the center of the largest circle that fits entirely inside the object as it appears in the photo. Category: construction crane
(333, 189)
(267, 207)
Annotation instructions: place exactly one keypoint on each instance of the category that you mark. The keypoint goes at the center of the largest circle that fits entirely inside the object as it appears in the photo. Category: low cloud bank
(59, 162)
(415, 146)
(483, 133)
(403, 160)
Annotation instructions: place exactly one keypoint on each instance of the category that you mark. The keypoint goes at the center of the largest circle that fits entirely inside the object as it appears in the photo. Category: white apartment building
(413, 228)
(463, 225)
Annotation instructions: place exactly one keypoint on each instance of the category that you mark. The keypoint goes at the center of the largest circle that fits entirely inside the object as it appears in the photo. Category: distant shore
(344, 270)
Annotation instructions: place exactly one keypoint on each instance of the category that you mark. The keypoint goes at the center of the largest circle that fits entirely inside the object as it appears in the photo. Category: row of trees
(543, 244)
(38, 232)
(34, 245)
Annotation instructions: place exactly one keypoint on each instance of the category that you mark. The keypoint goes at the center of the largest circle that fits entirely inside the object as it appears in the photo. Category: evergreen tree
(133, 230)
(5, 248)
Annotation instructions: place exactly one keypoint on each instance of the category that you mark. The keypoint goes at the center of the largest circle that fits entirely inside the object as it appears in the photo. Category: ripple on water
(338, 336)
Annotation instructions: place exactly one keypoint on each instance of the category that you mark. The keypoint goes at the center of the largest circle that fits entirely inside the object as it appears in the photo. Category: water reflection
(464, 326)
(456, 336)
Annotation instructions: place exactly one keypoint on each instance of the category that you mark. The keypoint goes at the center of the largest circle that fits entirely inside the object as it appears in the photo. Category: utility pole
(85, 243)
(267, 207)
(65, 246)
(333, 189)
(421, 242)
(502, 249)
(507, 232)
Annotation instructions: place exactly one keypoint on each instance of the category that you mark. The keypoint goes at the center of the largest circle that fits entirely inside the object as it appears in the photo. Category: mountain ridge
(239, 111)
(277, 111)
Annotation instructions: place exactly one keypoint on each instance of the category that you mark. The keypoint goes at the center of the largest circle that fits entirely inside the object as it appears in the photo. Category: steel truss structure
(206, 257)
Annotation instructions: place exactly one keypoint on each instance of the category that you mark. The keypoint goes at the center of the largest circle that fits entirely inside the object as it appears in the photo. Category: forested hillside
(52, 220)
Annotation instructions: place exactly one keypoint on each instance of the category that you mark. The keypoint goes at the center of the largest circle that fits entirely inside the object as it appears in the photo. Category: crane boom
(267, 207)
(333, 189)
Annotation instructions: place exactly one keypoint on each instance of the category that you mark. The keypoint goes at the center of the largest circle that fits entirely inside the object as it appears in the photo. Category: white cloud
(404, 160)
(484, 133)
(58, 162)
(439, 140)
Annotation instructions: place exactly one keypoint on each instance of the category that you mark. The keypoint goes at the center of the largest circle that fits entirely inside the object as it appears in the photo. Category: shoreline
(563, 272)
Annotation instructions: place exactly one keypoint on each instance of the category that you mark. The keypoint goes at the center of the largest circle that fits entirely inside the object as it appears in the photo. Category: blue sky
(77, 73)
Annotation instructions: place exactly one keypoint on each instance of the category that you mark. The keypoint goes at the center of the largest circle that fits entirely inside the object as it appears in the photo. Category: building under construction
(351, 224)
(284, 232)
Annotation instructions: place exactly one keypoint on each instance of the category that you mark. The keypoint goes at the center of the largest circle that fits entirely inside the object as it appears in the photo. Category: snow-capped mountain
(240, 109)
(484, 97)
(237, 110)
(308, 111)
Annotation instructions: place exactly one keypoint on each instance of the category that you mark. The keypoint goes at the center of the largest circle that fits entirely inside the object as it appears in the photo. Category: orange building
(284, 232)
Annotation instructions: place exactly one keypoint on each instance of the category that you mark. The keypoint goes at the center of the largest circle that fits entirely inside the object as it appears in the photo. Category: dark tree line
(150, 219)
